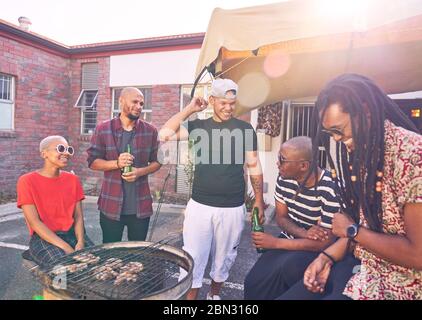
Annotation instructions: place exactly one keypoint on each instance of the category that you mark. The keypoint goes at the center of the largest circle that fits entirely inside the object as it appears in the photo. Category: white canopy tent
(289, 50)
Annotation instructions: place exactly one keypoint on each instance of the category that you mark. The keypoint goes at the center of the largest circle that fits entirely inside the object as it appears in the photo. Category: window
(201, 90)
(87, 99)
(146, 110)
(7, 101)
(299, 124)
(89, 119)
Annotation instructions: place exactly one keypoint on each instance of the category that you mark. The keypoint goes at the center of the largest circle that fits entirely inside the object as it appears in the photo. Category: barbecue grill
(122, 270)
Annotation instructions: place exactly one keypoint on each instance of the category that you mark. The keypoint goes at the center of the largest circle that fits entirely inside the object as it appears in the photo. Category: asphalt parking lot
(16, 282)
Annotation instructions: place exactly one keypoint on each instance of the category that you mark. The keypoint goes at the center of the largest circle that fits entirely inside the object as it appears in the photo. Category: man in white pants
(214, 217)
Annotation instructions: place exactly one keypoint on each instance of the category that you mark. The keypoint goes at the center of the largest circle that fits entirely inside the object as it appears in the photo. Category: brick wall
(41, 104)
(47, 87)
(165, 103)
(90, 179)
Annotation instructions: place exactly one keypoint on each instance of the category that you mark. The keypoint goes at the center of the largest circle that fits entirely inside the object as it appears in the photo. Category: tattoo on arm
(256, 182)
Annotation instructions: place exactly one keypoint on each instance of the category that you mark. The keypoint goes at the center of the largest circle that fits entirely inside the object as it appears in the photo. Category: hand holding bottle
(256, 226)
(125, 160)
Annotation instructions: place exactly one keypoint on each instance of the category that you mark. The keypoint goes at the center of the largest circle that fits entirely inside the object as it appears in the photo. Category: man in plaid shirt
(125, 198)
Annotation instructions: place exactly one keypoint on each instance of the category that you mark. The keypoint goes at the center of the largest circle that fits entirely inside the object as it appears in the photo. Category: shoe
(214, 297)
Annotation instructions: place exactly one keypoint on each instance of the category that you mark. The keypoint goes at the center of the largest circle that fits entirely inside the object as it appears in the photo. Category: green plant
(189, 167)
(157, 194)
(249, 201)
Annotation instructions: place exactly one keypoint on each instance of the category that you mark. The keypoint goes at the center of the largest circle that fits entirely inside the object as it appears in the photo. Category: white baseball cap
(221, 87)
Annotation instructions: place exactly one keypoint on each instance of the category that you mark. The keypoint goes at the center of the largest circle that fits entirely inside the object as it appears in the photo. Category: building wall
(165, 103)
(41, 104)
(268, 161)
(154, 68)
(47, 87)
(91, 179)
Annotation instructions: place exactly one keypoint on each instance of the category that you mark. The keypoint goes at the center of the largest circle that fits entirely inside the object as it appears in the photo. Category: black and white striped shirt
(310, 205)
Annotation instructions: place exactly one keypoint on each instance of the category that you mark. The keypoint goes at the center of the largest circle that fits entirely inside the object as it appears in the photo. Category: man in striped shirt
(304, 215)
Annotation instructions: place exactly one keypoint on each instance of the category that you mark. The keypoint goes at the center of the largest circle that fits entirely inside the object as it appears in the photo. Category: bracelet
(117, 163)
(329, 256)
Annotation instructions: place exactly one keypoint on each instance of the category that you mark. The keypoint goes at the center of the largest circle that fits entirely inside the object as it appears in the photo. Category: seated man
(51, 202)
(303, 213)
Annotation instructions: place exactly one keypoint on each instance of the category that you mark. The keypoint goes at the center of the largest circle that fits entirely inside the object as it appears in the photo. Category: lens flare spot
(276, 64)
(253, 89)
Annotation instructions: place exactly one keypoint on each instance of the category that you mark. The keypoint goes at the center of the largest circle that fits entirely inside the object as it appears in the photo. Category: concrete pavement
(17, 283)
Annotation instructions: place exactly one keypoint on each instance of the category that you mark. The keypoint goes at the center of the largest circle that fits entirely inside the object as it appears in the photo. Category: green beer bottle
(128, 168)
(256, 226)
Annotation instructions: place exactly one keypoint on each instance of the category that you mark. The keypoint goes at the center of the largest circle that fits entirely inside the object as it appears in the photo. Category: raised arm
(172, 129)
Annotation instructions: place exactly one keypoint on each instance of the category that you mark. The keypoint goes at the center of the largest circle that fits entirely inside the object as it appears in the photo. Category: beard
(132, 117)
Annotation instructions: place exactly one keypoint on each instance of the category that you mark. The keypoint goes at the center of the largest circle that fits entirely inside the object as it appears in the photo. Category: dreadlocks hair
(357, 95)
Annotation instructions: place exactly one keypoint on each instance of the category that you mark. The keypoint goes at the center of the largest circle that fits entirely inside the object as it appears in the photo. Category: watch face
(352, 231)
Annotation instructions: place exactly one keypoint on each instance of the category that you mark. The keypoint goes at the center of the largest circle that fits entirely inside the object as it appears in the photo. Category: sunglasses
(281, 159)
(332, 132)
(60, 148)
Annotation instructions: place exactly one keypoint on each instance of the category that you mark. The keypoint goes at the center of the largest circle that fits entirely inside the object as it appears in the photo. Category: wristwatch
(352, 230)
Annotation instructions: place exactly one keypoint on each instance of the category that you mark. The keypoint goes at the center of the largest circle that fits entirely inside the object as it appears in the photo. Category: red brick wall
(165, 103)
(41, 105)
(47, 88)
(90, 179)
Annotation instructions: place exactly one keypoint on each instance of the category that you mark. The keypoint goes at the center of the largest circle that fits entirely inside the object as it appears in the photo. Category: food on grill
(106, 275)
(114, 263)
(128, 272)
(125, 276)
(77, 267)
(137, 271)
(86, 257)
(72, 268)
(114, 268)
(133, 267)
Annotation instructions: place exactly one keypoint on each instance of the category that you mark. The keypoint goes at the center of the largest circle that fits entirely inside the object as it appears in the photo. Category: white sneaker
(214, 297)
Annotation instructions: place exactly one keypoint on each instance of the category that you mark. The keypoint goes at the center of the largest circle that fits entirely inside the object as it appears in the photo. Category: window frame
(93, 103)
(84, 110)
(10, 101)
(116, 111)
(82, 126)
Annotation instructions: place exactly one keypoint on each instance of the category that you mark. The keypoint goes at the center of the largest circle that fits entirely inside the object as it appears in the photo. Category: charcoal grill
(157, 281)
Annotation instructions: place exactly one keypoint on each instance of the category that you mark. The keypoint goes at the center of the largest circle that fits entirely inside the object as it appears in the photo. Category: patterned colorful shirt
(379, 279)
(104, 145)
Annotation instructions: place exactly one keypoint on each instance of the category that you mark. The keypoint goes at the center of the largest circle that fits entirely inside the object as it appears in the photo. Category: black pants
(275, 272)
(340, 274)
(137, 229)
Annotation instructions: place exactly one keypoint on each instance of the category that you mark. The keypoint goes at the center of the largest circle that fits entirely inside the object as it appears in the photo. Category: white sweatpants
(214, 229)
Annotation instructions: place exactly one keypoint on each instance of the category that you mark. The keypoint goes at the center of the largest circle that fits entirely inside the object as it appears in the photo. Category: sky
(74, 22)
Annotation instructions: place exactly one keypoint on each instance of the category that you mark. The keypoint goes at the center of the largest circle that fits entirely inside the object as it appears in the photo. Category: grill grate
(160, 273)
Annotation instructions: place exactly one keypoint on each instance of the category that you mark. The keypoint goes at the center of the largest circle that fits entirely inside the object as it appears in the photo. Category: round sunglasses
(60, 148)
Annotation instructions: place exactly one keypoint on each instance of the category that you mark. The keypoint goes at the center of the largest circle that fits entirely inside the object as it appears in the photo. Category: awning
(291, 49)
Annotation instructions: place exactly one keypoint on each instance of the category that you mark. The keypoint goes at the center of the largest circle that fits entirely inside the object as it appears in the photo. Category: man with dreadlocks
(304, 215)
(378, 167)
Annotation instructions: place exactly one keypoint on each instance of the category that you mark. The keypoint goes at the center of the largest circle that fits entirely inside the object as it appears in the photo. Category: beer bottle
(128, 168)
(256, 226)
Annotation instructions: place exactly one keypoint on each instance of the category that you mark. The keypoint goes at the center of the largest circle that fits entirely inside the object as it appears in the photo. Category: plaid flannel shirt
(104, 145)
